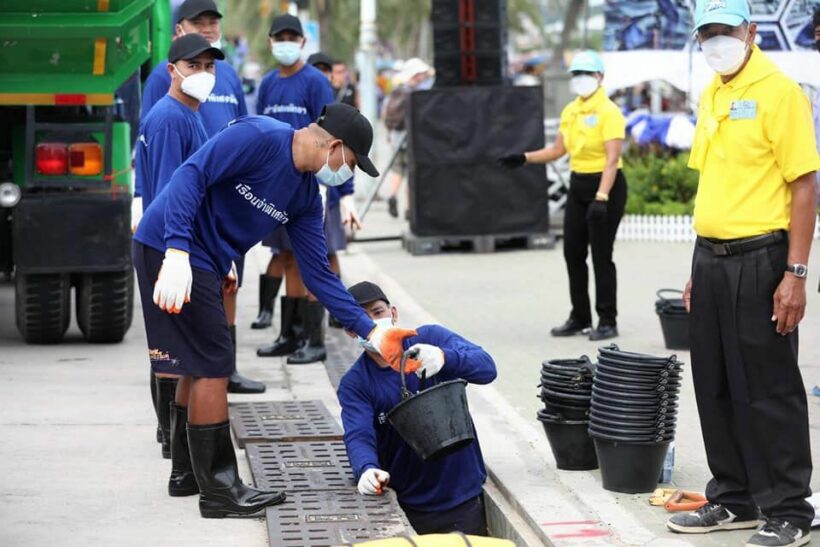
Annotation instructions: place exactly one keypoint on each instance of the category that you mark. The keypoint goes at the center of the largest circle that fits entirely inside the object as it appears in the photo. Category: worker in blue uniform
(438, 496)
(251, 177)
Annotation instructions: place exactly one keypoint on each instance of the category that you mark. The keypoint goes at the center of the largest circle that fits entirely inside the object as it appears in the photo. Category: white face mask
(583, 85)
(725, 54)
(218, 43)
(198, 86)
(287, 53)
(329, 177)
(385, 323)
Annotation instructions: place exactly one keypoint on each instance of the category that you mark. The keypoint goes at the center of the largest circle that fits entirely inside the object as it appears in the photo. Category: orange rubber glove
(388, 342)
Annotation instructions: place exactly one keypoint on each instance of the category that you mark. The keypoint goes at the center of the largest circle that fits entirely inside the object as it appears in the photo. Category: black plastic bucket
(631, 468)
(567, 412)
(674, 319)
(570, 443)
(434, 422)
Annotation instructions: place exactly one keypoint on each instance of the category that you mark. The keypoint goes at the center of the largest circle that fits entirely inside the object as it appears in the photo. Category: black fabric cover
(455, 136)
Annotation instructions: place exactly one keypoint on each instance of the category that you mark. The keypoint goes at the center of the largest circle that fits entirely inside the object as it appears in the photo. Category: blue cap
(725, 12)
(587, 61)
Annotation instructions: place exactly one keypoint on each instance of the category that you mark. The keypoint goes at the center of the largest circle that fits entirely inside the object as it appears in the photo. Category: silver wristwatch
(799, 270)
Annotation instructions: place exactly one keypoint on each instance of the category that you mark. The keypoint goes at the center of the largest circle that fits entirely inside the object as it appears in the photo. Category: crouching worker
(438, 496)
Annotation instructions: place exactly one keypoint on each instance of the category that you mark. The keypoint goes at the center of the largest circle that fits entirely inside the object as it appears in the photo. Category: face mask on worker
(198, 85)
(329, 177)
(583, 85)
(287, 53)
(725, 54)
(384, 323)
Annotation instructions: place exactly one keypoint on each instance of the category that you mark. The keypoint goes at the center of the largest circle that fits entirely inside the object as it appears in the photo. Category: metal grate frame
(300, 467)
(282, 421)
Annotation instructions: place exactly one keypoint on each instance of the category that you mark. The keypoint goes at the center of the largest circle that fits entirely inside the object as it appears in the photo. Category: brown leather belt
(732, 247)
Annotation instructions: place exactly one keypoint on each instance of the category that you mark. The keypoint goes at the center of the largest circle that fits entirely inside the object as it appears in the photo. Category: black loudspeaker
(469, 41)
(455, 136)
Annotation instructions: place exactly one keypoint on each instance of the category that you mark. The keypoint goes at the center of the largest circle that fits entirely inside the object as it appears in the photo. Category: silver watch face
(800, 270)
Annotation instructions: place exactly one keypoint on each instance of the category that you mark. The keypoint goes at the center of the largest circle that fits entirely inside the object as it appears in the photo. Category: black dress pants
(750, 394)
(581, 234)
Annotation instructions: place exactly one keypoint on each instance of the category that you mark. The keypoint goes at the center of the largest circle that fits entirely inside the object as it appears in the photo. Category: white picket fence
(664, 228)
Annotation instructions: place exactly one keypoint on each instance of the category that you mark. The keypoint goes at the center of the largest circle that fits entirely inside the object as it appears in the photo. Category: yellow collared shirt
(754, 136)
(585, 126)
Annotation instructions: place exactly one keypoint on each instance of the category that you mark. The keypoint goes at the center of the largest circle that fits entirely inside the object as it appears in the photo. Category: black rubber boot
(289, 337)
(313, 350)
(182, 481)
(221, 492)
(238, 383)
(154, 400)
(268, 287)
(166, 393)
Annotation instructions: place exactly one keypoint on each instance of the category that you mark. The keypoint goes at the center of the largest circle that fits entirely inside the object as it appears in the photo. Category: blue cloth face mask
(329, 177)
(385, 323)
(287, 53)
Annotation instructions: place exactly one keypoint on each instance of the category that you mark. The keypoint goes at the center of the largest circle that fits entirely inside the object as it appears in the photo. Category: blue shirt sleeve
(231, 152)
(156, 87)
(165, 149)
(262, 96)
(462, 358)
(357, 420)
(321, 95)
(236, 85)
(307, 236)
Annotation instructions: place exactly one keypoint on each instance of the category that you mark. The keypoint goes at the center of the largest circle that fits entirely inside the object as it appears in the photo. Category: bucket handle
(659, 293)
(411, 353)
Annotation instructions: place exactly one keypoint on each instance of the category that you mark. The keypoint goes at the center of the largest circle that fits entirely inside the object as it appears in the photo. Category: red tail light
(51, 158)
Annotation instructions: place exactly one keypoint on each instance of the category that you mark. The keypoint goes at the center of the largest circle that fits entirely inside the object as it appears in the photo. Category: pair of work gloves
(596, 211)
(173, 290)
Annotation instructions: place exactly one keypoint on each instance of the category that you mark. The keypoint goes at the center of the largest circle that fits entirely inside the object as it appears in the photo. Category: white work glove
(372, 481)
(349, 214)
(136, 213)
(173, 286)
(230, 283)
(431, 359)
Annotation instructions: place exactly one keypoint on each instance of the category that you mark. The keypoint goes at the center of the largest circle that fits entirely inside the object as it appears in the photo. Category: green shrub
(659, 183)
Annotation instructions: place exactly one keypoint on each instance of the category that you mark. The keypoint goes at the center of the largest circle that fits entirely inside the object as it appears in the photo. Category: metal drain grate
(283, 421)
(304, 466)
(324, 519)
(342, 352)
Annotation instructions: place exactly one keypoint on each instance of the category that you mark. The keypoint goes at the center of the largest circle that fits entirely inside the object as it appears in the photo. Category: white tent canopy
(629, 68)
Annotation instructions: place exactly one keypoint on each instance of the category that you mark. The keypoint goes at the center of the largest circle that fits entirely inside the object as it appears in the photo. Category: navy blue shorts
(278, 240)
(195, 342)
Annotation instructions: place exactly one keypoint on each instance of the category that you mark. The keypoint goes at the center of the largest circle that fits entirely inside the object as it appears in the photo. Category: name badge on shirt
(591, 120)
(743, 110)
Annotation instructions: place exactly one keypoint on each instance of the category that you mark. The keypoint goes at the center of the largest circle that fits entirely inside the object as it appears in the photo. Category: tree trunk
(574, 10)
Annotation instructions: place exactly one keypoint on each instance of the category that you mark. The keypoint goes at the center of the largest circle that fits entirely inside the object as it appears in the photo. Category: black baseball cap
(320, 58)
(191, 46)
(285, 22)
(345, 122)
(367, 292)
(191, 9)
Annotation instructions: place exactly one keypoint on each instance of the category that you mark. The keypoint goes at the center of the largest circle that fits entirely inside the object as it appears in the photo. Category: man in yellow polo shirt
(754, 217)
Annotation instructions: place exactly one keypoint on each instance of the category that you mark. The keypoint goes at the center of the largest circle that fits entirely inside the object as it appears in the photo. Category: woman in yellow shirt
(592, 132)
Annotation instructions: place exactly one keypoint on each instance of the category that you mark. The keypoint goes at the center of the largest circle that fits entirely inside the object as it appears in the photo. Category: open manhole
(298, 467)
(327, 518)
(283, 421)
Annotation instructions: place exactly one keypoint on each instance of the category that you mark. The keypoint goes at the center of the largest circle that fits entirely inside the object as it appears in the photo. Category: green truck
(69, 110)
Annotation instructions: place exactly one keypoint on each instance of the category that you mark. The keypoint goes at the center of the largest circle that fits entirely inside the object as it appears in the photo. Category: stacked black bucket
(566, 390)
(633, 415)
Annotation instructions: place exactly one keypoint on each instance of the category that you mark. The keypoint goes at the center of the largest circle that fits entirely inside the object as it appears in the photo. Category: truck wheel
(105, 306)
(43, 307)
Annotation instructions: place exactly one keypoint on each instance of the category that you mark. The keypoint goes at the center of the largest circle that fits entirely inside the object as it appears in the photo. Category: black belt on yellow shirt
(731, 247)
